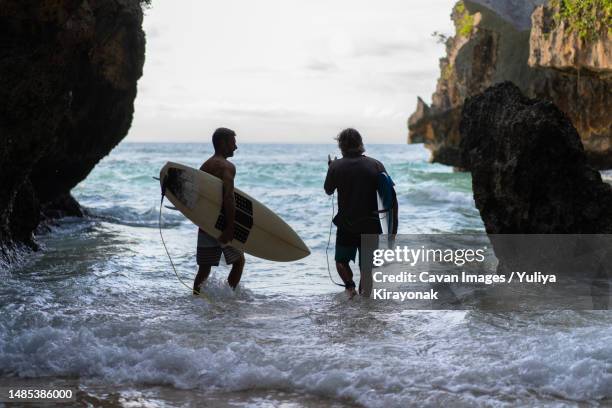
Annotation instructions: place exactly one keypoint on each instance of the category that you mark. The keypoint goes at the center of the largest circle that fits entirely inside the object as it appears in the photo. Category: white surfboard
(257, 230)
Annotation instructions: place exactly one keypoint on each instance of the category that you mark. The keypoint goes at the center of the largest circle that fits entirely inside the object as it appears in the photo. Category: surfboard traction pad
(177, 179)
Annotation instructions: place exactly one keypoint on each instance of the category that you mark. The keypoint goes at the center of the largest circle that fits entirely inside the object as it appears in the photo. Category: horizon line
(251, 142)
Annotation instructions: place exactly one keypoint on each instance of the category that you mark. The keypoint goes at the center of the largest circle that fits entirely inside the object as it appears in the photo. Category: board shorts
(209, 251)
(346, 251)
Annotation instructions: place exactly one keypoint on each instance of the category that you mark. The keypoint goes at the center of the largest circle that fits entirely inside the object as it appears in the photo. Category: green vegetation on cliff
(464, 21)
(447, 72)
(586, 17)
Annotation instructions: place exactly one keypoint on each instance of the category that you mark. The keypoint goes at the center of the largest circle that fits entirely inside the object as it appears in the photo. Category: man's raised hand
(329, 159)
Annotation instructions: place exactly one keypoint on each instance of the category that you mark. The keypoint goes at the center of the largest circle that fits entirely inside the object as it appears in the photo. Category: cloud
(414, 75)
(256, 111)
(388, 48)
(152, 31)
(383, 112)
(321, 66)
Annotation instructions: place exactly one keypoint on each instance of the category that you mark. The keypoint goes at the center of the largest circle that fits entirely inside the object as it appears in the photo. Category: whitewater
(100, 304)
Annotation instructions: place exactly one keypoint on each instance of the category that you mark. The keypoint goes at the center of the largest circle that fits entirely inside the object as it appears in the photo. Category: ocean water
(102, 306)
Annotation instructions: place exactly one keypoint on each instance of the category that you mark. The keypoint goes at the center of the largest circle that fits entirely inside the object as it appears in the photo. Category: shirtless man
(209, 247)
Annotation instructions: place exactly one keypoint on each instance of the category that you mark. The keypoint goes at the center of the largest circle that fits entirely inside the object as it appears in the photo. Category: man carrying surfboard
(358, 181)
(210, 248)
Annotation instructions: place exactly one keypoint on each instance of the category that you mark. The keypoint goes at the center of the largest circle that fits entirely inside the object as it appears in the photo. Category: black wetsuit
(355, 177)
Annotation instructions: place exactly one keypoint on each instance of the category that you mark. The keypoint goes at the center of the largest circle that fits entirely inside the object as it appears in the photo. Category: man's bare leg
(346, 274)
(236, 273)
(369, 244)
(203, 272)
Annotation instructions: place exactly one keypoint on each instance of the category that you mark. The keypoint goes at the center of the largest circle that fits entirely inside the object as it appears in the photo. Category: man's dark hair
(220, 135)
(350, 142)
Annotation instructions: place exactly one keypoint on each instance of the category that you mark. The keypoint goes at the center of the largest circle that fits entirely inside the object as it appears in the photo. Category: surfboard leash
(161, 204)
(159, 223)
(331, 222)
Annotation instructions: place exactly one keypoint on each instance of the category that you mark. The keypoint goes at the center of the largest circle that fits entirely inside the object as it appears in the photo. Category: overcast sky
(287, 71)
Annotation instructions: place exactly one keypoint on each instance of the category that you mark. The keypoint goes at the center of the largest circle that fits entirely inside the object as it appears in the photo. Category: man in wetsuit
(209, 247)
(355, 176)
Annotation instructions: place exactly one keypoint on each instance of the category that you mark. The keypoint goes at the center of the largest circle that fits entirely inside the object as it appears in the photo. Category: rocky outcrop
(529, 171)
(559, 46)
(530, 176)
(515, 12)
(68, 73)
(579, 78)
(495, 42)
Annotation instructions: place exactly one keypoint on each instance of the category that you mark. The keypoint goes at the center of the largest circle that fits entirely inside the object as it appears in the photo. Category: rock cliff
(68, 73)
(529, 170)
(519, 41)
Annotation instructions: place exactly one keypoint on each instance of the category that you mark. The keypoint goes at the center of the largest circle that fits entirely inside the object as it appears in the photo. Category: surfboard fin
(171, 208)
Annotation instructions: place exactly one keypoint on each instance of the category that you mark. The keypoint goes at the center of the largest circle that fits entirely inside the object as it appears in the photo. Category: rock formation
(587, 96)
(506, 40)
(529, 171)
(68, 73)
(530, 176)
(559, 47)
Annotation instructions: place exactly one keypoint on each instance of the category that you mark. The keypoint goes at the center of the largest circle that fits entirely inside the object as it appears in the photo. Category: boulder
(530, 174)
(68, 75)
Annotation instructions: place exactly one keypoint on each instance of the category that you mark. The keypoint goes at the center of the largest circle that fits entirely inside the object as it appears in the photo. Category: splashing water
(101, 304)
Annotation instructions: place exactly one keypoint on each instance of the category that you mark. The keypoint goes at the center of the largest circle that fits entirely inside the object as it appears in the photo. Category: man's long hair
(350, 142)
